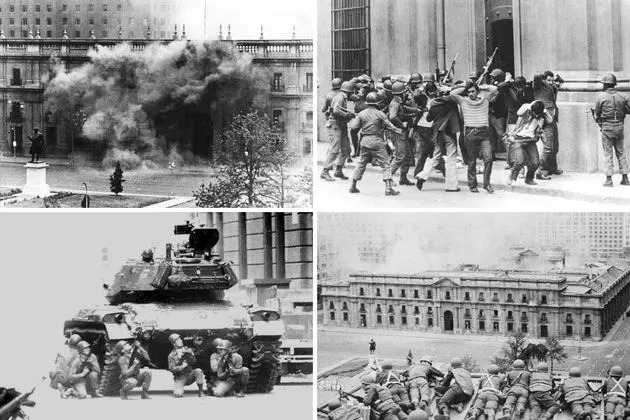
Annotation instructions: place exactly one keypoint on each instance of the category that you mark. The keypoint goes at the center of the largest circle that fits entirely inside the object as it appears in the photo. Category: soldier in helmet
(390, 379)
(458, 389)
(359, 105)
(372, 122)
(380, 400)
(180, 363)
(615, 392)
(230, 373)
(401, 115)
(517, 390)
(488, 397)
(418, 414)
(336, 86)
(131, 373)
(610, 112)
(339, 148)
(59, 373)
(576, 392)
(419, 376)
(85, 372)
(540, 394)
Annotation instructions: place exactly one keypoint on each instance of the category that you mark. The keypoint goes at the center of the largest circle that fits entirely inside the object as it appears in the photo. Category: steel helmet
(493, 369)
(574, 372)
(334, 404)
(173, 337)
(616, 371)
(473, 75)
(428, 77)
(386, 365)
(336, 83)
(216, 342)
(364, 78)
(609, 79)
(415, 78)
(418, 415)
(82, 346)
(427, 359)
(399, 88)
(518, 364)
(497, 74)
(367, 379)
(387, 85)
(542, 367)
(225, 344)
(372, 98)
(456, 362)
(347, 87)
(74, 340)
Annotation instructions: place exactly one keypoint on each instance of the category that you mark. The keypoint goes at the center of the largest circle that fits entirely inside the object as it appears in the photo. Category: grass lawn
(97, 201)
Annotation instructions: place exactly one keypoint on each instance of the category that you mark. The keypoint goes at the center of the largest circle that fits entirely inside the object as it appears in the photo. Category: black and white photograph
(156, 103)
(157, 315)
(473, 315)
(484, 104)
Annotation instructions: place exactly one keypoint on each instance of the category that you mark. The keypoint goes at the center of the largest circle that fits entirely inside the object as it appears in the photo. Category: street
(433, 195)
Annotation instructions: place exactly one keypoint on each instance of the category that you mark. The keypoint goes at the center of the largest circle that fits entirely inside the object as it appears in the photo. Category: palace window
(391, 309)
(543, 299)
(362, 307)
(361, 291)
(379, 319)
(467, 296)
(416, 310)
(344, 306)
(378, 291)
(331, 305)
(350, 34)
(332, 316)
(378, 308)
(524, 299)
(403, 293)
(481, 298)
(345, 316)
(403, 309)
(429, 294)
(390, 293)
(447, 295)
(415, 294)
(509, 297)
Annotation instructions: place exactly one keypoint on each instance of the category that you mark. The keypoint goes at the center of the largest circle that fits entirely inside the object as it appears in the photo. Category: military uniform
(359, 106)
(60, 373)
(419, 377)
(339, 148)
(615, 392)
(88, 383)
(228, 374)
(577, 394)
(391, 380)
(184, 375)
(517, 383)
(403, 154)
(611, 109)
(381, 400)
(132, 375)
(540, 398)
(459, 389)
(488, 397)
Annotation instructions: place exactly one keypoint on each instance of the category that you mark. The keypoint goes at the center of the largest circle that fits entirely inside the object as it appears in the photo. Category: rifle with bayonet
(451, 70)
(487, 67)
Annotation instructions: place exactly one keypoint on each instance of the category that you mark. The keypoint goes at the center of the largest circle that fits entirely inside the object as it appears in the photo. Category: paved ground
(285, 402)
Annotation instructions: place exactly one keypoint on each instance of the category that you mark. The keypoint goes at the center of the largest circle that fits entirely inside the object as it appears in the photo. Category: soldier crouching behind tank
(575, 391)
(180, 364)
(455, 394)
(229, 374)
(615, 391)
(84, 373)
(488, 397)
(540, 394)
(131, 373)
(391, 380)
(420, 374)
(60, 372)
(517, 384)
(380, 400)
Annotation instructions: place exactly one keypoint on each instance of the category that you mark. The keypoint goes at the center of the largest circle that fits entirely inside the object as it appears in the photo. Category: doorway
(544, 331)
(500, 34)
(448, 321)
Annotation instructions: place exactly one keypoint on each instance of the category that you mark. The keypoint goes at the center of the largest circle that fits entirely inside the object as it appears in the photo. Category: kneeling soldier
(457, 393)
(380, 400)
(540, 394)
(230, 373)
(577, 394)
(420, 374)
(517, 384)
(84, 372)
(131, 373)
(391, 379)
(180, 362)
(615, 391)
(488, 396)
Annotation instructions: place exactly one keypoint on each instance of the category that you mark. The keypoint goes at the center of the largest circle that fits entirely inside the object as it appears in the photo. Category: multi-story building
(562, 303)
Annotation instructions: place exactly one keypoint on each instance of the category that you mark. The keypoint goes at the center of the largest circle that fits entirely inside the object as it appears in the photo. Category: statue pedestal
(36, 180)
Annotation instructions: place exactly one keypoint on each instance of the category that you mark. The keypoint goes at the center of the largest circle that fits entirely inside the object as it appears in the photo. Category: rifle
(140, 355)
(487, 67)
(597, 120)
(451, 70)
(13, 408)
(344, 394)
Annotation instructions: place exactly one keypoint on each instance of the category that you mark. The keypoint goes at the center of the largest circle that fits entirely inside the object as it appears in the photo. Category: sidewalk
(570, 185)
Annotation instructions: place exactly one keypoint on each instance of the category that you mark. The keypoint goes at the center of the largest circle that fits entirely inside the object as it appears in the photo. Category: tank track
(109, 385)
(264, 367)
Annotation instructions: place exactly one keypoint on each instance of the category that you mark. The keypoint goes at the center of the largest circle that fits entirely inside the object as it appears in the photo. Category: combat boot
(145, 395)
(97, 394)
(239, 394)
(624, 180)
(404, 180)
(389, 190)
(326, 176)
(608, 182)
(353, 187)
(123, 394)
(339, 173)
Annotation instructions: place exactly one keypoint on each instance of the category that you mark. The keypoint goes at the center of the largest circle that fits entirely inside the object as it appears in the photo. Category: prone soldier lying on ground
(575, 391)
(615, 392)
(456, 388)
(489, 394)
(419, 376)
(517, 390)
(541, 394)
(392, 380)
(380, 400)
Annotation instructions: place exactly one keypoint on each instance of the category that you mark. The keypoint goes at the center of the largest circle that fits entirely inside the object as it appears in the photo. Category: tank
(183, 293)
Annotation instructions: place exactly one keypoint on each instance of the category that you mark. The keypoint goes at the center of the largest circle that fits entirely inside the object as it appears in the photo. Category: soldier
(131, 372)
(517, 385)
(418, 415)
(546, 88)
(229, 370)
(498, 111)
(59, 373)
(610, 112)
(458, 388)
(84, 372)
(488, 397)
(399, 114)
(540, 394)
(615, 392)
(391, 380)
(338, 150)
(419, 376)
(359, 105)
(380, 400)
(336, 85)
(372, 123)
(180, 362)
(577, 394)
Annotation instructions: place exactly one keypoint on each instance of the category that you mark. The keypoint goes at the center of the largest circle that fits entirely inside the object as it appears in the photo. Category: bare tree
(555, 351)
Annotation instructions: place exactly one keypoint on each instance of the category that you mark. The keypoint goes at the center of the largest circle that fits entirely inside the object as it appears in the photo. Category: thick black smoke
(157, 105)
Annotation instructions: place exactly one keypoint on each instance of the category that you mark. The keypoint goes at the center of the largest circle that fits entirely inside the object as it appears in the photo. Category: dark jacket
(444, 114)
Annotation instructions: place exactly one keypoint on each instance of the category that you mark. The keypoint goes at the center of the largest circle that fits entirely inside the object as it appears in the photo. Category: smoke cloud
(161, 104)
